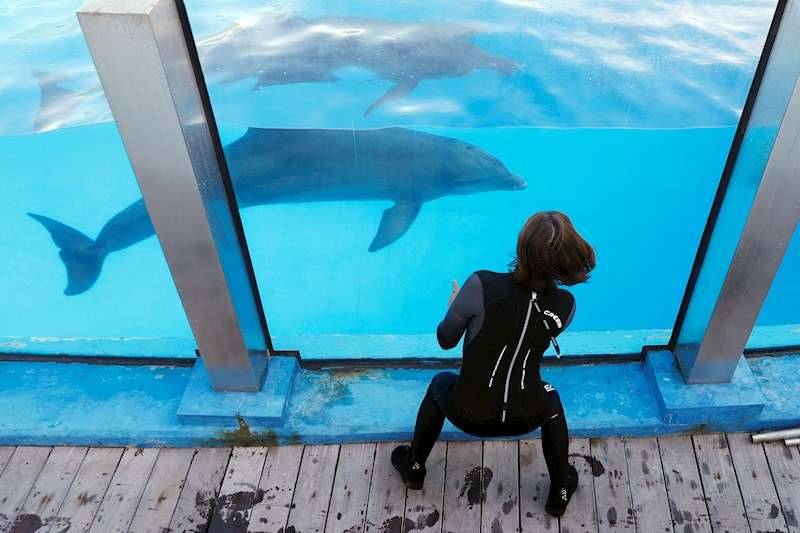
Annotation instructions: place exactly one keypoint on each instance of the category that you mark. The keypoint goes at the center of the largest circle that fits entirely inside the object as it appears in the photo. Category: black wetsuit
(499, 391)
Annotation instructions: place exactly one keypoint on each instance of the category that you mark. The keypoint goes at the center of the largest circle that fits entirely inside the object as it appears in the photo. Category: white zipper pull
(497, 364)
(524, 365)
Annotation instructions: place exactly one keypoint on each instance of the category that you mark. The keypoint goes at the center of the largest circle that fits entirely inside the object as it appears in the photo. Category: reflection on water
(438, 63)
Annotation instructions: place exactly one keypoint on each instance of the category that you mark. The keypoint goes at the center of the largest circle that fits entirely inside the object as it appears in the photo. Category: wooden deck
(700, 483)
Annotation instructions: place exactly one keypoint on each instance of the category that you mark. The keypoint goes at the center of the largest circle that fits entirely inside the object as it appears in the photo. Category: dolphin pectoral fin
(398, 91)
(395, 222)
(81, 257)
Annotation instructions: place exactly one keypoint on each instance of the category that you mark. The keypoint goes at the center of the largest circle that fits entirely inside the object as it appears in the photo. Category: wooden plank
(125, 491)
(277, 483)
(313, 492)
(48, 493)
(687, 503)
(5, 454)
(17, 480)
(463, 487)
(784, 462)
(501, 504)
(87, 490)
(581, 516)
(725, 506)
(648, 490)
(348, 507)
(387, 497)
(758, 490)
(611, 489)
(534, 486)
(161, 493)
(199, 492)
(239, 490)
(424, 507)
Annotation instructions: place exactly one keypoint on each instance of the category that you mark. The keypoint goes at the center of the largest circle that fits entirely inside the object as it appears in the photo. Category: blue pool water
(619, 114)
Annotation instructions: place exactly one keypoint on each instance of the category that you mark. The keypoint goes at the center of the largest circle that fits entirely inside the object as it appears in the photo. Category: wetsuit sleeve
(467, 305)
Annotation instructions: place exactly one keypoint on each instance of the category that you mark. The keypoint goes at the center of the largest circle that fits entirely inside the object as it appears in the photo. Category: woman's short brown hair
(550, 252)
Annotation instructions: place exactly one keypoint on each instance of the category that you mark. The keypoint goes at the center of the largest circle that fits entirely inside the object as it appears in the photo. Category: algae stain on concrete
(323, 390)
(245, 436)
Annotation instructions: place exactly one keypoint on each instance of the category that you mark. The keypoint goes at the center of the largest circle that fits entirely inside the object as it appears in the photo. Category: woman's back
(508, 328)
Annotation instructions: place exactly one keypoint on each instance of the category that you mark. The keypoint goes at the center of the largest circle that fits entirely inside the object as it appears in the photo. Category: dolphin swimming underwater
(279, 49)
(271, 166)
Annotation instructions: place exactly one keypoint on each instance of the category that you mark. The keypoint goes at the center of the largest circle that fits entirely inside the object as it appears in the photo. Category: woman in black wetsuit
(509, 319)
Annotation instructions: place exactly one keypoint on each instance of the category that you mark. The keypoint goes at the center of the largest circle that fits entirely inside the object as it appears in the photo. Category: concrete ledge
(202, 405)
(82, 404)
(738, 402)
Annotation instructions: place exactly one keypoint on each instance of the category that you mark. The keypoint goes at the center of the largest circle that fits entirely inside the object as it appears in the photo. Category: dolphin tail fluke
(56, 104)
(394, 223)
(82, 258)
(398, 91)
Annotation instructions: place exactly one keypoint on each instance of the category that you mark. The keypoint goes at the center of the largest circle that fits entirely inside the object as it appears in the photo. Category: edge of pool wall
(366, 346)
(84, 404)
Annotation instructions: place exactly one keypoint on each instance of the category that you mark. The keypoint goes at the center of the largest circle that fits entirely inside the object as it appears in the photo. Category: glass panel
(765, 123)
(779, 322)
(63, 195)
(621, 114)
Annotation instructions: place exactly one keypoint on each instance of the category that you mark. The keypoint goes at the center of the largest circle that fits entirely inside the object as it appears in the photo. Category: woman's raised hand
(453, 292)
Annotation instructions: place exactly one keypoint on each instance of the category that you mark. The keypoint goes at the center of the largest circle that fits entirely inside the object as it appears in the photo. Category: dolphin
(272, 166)
(279, 49)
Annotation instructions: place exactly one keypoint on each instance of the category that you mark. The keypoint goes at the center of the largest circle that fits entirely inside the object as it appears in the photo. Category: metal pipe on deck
(782, 434)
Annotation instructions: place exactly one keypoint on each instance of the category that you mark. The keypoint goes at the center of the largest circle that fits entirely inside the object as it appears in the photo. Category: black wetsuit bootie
(411, 472)
(561, 493)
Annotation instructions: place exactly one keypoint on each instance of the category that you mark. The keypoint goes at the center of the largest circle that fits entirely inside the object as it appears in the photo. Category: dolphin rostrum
(279, 49)
(270, 166)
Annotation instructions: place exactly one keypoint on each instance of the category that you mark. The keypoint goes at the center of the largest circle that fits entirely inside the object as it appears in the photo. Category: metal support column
(755, 214)
(147, 61)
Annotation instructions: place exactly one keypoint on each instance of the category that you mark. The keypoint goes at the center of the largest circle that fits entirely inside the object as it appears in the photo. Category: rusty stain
(85, 499)
(244, 436)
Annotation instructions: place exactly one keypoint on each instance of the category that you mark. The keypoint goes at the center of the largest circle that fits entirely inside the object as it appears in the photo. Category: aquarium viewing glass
(379, 150)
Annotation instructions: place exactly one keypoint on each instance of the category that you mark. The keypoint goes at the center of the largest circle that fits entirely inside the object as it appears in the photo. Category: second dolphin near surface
(272, 49)
(280, 49)
(270, 166)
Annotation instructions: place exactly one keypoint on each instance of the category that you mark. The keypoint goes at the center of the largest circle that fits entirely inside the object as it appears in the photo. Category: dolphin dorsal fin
(394, 223)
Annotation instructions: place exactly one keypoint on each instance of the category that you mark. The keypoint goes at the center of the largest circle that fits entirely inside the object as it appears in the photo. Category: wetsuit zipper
(514, 357)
